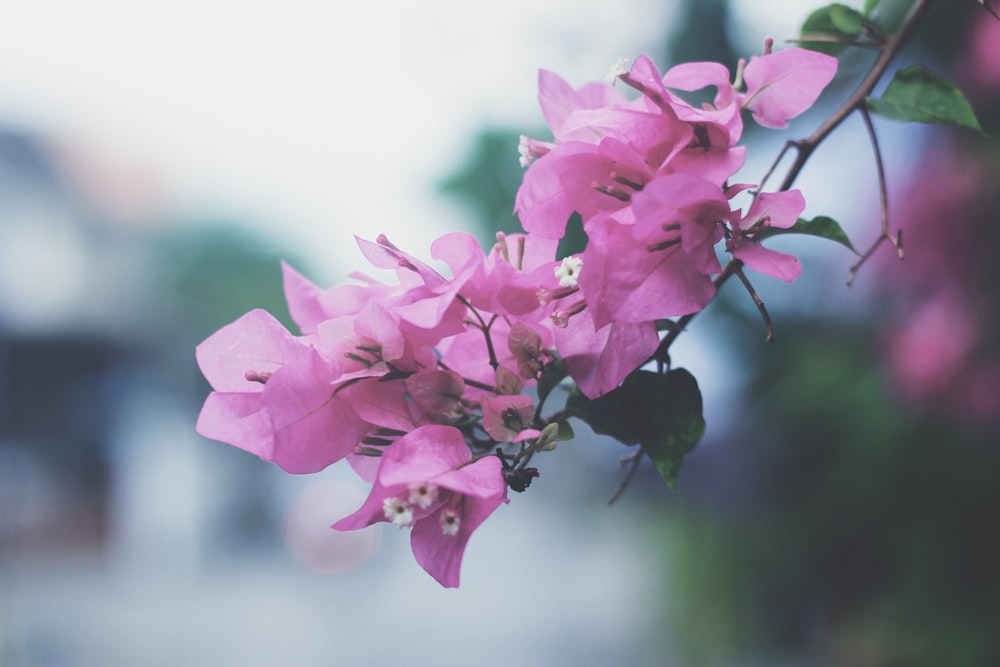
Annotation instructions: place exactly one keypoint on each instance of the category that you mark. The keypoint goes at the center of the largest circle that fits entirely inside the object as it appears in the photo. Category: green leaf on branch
(837, 23)
(821, 226)
(918, 95)
(659, 412)
(887, 15)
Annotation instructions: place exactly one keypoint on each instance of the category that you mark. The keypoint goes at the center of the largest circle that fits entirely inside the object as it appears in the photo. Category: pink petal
(441, 555)
(303, 299)
(312, 427)
(599, 360)
(785, 83)
(236, 419)
(256, 342)
(783, 209)
(764, 260)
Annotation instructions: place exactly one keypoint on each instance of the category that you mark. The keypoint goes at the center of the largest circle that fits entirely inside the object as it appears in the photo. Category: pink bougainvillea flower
(769, 209)
(559, 100)
(427, 480)
(625, 280)
(783, 84)
(272, 396)
(508, 418)
(598, 360)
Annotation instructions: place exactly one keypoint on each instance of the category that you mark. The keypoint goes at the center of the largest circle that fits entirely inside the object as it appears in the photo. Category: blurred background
(156, 164)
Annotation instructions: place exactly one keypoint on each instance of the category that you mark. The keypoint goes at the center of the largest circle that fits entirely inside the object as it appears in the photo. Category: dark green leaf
(916, 94)
(821, 226)
(552, 374)
(887, 15)
(839, 23)
(660, 412)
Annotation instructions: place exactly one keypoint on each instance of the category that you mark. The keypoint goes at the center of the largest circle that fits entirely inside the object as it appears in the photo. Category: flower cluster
(420, 383)
(650, 180)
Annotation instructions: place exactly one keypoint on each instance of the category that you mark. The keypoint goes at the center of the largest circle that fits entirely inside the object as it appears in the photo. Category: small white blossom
(568, 271)
(424, 495)
(450, 523)
(398, 512)
(620, 67)
(524, 150)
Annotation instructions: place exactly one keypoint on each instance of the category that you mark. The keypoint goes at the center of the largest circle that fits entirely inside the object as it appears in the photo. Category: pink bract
(465, 493)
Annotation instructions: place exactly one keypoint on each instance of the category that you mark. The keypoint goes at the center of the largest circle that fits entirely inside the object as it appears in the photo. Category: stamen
(367, 363)
(561, 317)
(361, 450)
(529, 149)
(738, 79)
(376, 442)
(612, 191)
(501, 246)
(546, 296)
(615, 176)
(662, 245)
(397, 512)
(254, 376)
(520, 252)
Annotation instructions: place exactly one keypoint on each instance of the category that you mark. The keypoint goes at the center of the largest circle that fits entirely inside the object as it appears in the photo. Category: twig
(634, 460)
(760, 304)
(485, 328)
(858, 97)
(884, 234)
(805, 147)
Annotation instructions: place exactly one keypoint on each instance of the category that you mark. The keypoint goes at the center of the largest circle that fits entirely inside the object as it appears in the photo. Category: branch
(884, 235)
(756, 299)
(634, 460)
(805, 147)
(858, 98)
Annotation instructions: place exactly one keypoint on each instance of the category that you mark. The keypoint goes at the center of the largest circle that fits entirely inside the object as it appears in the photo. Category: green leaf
(660, 412)
(887, 15)
(916, 94)
(821, 226)
(838, 22)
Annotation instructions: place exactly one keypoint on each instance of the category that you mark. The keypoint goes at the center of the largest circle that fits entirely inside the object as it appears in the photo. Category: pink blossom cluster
(420, 383)
(650, 180)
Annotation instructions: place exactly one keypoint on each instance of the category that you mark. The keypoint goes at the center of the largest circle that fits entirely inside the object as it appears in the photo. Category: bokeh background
(158, 161)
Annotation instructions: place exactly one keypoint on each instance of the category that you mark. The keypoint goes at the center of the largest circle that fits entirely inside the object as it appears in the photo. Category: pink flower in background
(428, 480)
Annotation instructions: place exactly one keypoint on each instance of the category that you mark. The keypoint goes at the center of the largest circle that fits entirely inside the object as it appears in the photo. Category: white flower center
(620, 67)
(568, 271)
(424, 495)
(450, 522)
(397, 512)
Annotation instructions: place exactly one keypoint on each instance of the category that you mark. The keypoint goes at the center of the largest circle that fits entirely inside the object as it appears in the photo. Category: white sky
(312, 121)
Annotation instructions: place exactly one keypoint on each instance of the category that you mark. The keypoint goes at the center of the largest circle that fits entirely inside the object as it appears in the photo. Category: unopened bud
(546, 442)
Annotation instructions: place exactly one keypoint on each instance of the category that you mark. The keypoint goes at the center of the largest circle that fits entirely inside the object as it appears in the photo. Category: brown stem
(861, 93)
(760, 304)
(884, 234)
(634, 460)
(805, 147)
